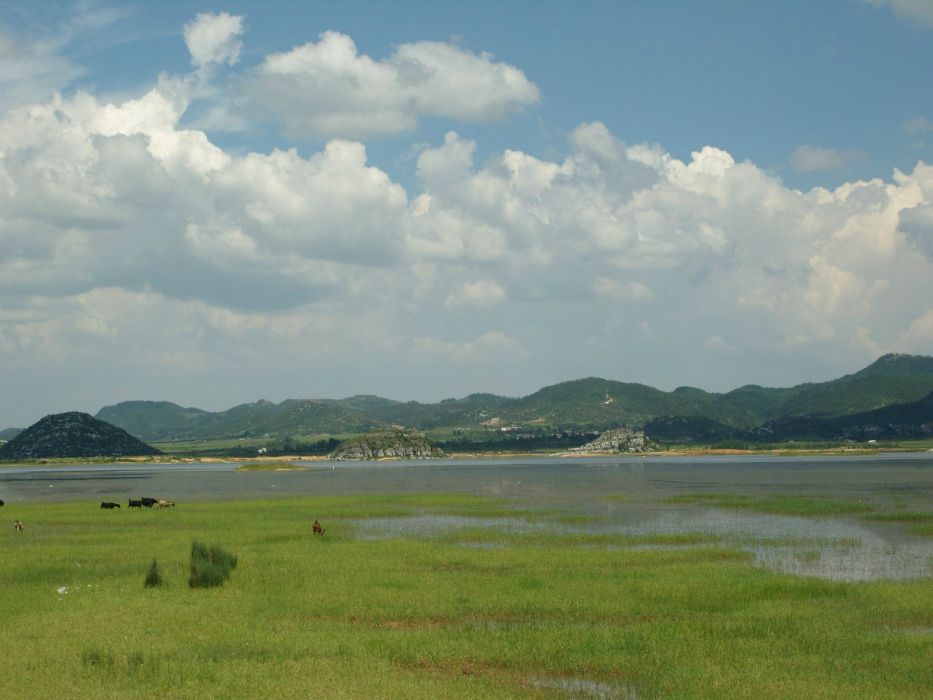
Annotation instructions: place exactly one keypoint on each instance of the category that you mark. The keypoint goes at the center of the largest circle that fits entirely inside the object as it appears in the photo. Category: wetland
(711, 576)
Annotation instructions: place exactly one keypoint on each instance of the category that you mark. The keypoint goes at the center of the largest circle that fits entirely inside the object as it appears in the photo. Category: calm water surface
(625, 493)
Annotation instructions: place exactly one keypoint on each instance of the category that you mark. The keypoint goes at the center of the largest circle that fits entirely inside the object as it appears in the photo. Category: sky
(213, 203)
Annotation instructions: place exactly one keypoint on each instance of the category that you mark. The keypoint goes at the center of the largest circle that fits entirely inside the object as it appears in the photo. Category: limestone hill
(388, 444)
(73, 434)
(618, 440)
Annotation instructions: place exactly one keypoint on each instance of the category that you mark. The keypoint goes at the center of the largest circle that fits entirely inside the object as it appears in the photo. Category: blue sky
(756, 79)
(483, 197)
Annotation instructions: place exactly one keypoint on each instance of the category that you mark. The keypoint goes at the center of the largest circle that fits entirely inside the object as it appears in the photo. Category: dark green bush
(101, 659)
(153, 578)
(210, 565)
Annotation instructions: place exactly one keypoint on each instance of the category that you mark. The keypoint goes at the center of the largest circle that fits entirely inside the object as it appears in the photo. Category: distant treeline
(288, 446)
(520, 442)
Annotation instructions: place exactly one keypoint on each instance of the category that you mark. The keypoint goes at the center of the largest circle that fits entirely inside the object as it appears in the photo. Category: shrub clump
(153, 578)
(210, 565)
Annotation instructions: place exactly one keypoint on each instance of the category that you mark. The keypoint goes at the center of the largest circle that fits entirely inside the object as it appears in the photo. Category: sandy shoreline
(286, 460)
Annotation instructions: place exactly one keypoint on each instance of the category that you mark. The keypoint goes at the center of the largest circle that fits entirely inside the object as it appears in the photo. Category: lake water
(624, 495)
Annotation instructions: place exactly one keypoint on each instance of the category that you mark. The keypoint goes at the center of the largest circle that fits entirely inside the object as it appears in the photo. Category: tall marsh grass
(210, 565)
(153, 578)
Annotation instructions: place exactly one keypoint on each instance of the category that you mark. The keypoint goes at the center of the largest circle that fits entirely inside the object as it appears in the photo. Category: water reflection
(843, 549)
(828, 548)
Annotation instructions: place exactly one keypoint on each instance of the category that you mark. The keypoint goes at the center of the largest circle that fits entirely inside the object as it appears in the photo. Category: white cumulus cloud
(214, 39)
(327, 88)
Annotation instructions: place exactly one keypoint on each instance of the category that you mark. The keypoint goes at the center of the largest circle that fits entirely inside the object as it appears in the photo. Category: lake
(610, 495)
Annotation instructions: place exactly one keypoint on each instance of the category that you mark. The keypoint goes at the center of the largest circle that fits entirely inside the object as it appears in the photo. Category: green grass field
(474, 614)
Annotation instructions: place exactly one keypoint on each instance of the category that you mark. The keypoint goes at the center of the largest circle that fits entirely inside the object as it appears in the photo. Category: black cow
(1, 501)
(109, 505)
(135, 504)
(149, 502)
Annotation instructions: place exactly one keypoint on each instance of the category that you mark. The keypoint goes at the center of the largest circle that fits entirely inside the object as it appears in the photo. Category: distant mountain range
(889, 398)
(583, 404)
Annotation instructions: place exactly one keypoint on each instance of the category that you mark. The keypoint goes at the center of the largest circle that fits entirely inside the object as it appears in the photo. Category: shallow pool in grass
(835, 549)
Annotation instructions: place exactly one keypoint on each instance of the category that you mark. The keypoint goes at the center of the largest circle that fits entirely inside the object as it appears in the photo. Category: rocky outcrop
(388, 445)
(619, 440)
(74, 434)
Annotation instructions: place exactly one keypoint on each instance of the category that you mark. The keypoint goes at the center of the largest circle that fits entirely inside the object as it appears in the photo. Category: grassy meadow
(469, 613)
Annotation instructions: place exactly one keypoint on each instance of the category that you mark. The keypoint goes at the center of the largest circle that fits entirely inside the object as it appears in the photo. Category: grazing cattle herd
(110, 505)
(317, 528)
(141, 502)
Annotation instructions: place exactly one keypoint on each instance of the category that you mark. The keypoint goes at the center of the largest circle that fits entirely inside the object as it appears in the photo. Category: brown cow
(317, 529)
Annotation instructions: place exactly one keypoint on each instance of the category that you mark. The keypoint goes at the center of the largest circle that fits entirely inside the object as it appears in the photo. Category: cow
(108, 505)
(317, 529)
(165, 504)
(1, 501)
(18, 526)
(149, 502)
(135, 504)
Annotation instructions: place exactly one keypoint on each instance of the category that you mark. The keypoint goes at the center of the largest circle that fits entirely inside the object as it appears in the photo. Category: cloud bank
(132, 244)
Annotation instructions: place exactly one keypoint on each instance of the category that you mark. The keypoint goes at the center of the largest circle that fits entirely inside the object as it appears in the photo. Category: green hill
(896, 365)
(891, 379)
(152, 420)
(911, 420)
(594, 402)
(472, 409)
(598, 403)
(856, 395)
(261, 418)
(753, 404)
(9, 433)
